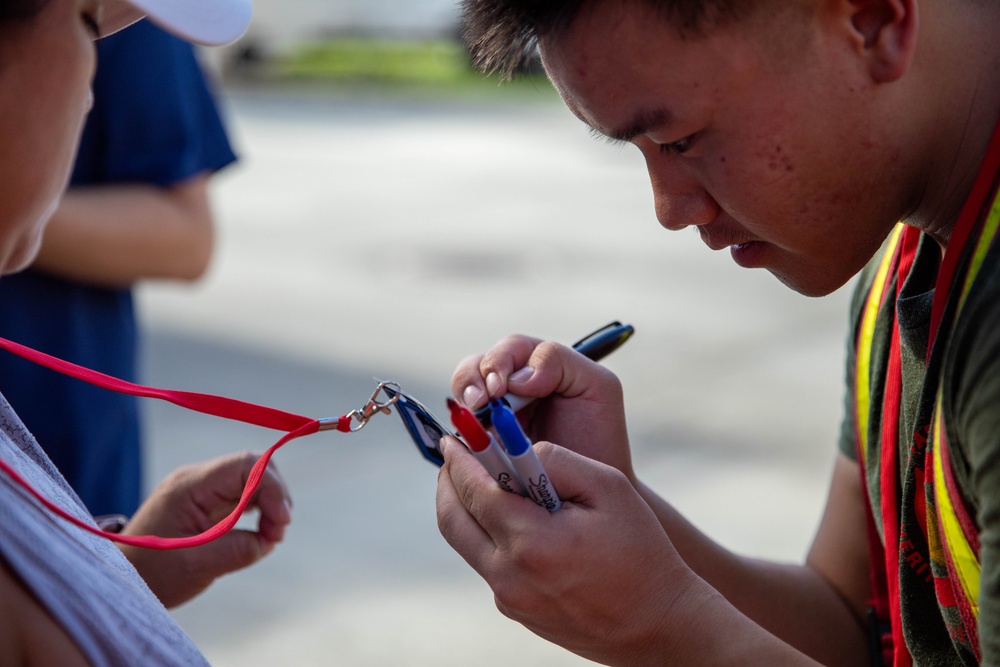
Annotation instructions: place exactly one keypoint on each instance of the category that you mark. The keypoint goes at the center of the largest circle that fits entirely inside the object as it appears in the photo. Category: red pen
(485, 448)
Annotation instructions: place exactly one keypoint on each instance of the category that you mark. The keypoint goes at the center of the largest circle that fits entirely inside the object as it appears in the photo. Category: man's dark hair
(502, 34)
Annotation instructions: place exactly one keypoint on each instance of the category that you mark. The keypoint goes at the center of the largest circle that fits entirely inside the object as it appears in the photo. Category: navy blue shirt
(154, 121)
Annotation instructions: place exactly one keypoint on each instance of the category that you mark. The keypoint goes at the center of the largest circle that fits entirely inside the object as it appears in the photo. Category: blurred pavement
(365, 238)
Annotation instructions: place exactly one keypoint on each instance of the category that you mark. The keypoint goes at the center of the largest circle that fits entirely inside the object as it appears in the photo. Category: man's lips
(746, 250)
(721, 238)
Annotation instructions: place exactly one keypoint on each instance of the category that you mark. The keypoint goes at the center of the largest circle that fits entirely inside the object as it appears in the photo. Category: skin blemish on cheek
(779, 161)
(724, 167)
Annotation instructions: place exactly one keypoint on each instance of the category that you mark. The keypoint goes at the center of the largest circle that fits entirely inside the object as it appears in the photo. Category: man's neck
(963, 65)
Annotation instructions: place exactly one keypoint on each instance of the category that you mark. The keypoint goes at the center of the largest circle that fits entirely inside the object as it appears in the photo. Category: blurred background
(394, 211)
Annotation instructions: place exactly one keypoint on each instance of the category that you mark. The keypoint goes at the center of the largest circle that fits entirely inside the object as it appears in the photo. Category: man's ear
(886, 35)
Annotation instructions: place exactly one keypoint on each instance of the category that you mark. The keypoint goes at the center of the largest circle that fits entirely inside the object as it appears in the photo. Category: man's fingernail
(472, 396)
(522, 375)
(493, 384)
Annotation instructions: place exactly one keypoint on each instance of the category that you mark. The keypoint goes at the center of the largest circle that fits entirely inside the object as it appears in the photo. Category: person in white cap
(70, 597)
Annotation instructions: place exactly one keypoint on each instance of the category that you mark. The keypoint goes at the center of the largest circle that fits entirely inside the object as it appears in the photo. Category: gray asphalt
(383, 238)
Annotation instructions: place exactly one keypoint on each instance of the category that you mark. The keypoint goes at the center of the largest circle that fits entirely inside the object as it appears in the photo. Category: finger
(220, 483)
(578, 479)
(508, 356)
(498, 513)
(461, 484)
(274, 502)
(467, 385)
(553, 368)
(233, 551)
(479, 377)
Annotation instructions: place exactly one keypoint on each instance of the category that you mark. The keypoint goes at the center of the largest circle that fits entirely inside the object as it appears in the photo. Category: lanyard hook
(359, 418)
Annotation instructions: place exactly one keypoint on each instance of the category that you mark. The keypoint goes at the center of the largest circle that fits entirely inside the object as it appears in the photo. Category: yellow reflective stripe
(862, 395)
(964, 559)
(982, 246)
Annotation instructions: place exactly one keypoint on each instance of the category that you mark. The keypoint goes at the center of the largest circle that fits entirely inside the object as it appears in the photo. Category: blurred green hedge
(434, 64)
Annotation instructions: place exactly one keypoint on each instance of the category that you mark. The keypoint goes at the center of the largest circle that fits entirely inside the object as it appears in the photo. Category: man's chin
(815, 288)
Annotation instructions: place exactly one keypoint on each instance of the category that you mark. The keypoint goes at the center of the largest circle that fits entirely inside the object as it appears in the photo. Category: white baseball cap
(210, 22)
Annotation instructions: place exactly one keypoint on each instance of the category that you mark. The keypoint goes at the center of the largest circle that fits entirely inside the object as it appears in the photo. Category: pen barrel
(517, 402)
(499, 467)
(602, 343)
(536, 481)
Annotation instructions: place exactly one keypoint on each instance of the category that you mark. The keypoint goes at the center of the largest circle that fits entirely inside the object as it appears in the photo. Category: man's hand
(598, 577)
(580, 402)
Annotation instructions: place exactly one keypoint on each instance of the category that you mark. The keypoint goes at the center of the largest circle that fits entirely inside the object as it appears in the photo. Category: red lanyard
(293, 425)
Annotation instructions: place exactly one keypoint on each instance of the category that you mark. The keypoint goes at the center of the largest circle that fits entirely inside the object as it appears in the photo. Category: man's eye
(678, 147)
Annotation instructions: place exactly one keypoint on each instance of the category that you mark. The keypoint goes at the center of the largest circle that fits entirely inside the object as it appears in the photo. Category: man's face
(765, 140)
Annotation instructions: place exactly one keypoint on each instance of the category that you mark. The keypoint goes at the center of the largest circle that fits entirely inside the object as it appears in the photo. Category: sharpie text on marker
(523, 458)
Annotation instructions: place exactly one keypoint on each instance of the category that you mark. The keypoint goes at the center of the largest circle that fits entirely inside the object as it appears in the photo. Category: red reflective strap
(889, 470)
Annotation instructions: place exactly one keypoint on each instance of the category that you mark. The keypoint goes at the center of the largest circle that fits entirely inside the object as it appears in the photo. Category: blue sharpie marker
(523, 457)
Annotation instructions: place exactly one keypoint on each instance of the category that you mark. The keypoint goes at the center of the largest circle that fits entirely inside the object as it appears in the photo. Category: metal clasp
(359, 418)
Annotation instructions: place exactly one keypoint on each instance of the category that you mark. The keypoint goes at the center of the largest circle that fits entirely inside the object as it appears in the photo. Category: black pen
(594, 346)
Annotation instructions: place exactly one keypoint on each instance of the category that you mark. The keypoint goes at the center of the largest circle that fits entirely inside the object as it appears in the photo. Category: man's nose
(679, 199)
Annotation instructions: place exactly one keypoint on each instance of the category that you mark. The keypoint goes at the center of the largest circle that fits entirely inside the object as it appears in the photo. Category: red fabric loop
(219, 406)
(293, 425)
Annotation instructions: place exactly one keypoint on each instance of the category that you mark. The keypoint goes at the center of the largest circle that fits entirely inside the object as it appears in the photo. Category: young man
(797, 134)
